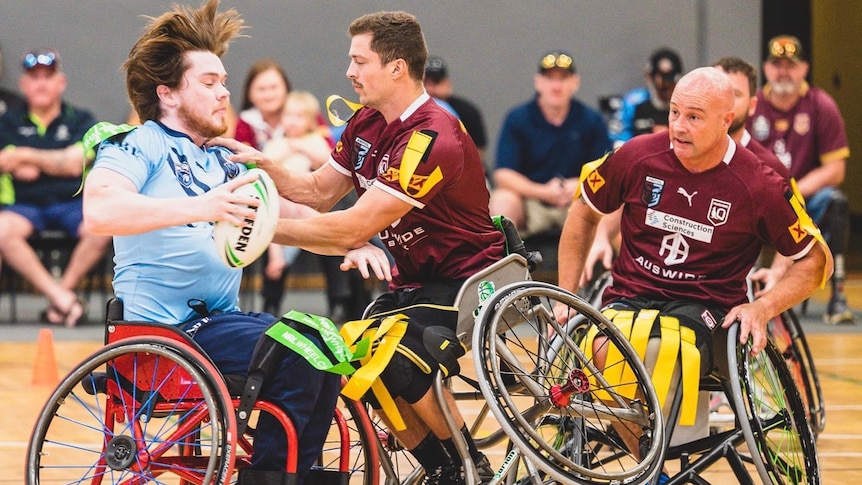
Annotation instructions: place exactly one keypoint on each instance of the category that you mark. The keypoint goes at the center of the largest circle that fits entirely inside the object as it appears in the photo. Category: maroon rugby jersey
(808, 136)
(428, 160)
(689, 236)
(763, 154)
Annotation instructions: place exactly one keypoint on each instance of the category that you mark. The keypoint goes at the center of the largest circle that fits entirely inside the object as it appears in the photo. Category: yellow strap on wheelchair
(387, 336)
(640, 332)
(617, 371)
(678, 341)
(667, 357)
(690, 361)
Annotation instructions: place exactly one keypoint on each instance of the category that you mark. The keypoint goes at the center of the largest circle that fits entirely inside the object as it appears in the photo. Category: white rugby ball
(240, 246)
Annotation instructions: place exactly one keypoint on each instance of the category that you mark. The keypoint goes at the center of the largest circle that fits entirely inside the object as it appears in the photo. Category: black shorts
(411, 371)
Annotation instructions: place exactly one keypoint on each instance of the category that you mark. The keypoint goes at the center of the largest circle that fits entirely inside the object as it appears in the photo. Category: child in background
(302, 148)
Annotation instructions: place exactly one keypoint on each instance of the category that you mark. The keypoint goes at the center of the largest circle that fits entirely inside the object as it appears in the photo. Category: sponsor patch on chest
(687, 227)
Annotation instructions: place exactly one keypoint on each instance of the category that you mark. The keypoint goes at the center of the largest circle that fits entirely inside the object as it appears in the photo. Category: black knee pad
(835, 223)
(443, 346)
(403, 379)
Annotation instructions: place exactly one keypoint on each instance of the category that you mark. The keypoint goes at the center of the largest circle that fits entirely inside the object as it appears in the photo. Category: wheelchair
(767, 435)
(151, 407)
(506, 320)
(565, 421)
(785, 332)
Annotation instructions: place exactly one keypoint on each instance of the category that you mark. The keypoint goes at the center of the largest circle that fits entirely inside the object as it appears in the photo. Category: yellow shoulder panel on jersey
(414, 154)
(805, 225)
(590, 175)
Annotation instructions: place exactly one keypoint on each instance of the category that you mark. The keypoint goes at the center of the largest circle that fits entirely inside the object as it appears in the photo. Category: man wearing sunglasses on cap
(542, 145)
(802, 125)
(41, 151)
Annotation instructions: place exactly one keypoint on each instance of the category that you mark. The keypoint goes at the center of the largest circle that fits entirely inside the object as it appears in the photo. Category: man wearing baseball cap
(542, 146)
(438, 83)
(41, 150)
(646, 109)
(802, 125)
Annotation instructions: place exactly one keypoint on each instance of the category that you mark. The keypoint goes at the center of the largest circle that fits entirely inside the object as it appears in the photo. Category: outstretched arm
(797, 283)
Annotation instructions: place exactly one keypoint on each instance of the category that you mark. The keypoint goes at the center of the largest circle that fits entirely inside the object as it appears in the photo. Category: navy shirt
(541, 151)
(18, 129)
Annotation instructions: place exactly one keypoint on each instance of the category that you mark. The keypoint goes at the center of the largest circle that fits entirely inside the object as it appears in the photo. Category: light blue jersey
(158, 272)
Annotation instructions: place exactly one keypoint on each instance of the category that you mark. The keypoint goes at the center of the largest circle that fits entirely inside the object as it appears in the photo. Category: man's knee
(836, 220)
(14, 226)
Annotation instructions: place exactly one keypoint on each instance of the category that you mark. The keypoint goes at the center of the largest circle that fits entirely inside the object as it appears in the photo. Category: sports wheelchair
(563, 419)
(151, 407)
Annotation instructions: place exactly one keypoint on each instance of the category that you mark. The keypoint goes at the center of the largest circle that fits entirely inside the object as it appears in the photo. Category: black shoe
(483, 467)
(445, 475)
(837, 311)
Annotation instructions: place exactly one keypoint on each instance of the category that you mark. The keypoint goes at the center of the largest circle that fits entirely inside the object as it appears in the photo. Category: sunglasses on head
(551, 61)
(434, 64)
(784, 48)
(33, 59)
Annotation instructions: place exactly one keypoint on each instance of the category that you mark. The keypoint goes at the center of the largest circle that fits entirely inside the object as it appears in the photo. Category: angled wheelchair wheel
(772, 416)
(789, 339)
(551, 393)
(139, 410)
(351, 449)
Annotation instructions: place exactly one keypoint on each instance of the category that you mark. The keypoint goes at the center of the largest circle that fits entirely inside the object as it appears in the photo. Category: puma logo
(686, 194)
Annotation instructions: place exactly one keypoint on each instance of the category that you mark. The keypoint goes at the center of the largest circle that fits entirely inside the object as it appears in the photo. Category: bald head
(709, 82)
(701, 110)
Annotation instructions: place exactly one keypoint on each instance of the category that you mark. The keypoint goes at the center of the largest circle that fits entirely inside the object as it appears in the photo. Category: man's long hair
(158, 58)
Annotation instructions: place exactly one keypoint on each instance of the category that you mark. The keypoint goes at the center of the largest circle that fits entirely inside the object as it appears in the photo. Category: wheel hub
(120, 452)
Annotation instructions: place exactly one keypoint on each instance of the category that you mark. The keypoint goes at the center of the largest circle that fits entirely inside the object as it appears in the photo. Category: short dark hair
(737, 65)
(158, 57)
(394, 35)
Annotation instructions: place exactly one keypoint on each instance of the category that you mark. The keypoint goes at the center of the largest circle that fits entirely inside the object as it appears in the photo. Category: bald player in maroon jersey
(696, 209)
(421, 187)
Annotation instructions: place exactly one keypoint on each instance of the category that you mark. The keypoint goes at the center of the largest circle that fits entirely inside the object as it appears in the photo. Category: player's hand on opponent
(365, 257)
(752, 318)
(222, 204)
(243, 153)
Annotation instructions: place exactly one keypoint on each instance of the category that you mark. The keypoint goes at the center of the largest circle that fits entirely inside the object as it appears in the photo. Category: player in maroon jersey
(802, 125)
(421, 187)
(696, 211)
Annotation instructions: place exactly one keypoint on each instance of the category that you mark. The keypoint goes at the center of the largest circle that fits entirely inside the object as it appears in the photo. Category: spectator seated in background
(439, 86)
(541, 148)
(43, 154)
(645, 109)
(802, 125)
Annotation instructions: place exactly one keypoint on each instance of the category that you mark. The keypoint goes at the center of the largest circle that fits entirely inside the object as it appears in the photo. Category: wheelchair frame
(562, 418)
(151, 404)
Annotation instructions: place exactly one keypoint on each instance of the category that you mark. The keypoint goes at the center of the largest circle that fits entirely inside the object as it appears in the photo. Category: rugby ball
(240, 246)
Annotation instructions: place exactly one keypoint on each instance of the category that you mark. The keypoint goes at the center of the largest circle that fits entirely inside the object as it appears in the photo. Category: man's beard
(784, 88)
(737, 124)
(200, 125)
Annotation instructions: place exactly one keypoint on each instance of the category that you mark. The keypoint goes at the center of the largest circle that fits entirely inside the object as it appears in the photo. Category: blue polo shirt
(541, 151)
(20, 129)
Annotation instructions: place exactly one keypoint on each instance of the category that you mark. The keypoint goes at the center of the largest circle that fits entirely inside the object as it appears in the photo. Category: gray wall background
(492, 47)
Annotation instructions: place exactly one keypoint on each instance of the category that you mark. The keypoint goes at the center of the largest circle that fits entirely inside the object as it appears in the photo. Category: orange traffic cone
(45, 366)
